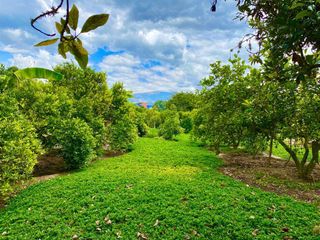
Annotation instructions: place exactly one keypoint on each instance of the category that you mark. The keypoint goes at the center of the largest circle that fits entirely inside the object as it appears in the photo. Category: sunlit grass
(160, 190)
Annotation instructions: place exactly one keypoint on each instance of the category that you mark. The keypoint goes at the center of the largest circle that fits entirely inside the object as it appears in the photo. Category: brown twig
(52, 12)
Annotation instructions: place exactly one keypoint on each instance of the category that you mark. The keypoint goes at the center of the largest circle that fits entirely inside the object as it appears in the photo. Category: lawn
(279, 151)
(160, 190)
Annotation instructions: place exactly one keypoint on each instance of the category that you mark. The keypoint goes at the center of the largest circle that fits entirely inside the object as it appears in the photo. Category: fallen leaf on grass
(187, 237)
(255, 232)
(142, 236)
(75, 237)
(287, 238)
(157, 223)
(107, 220)
(316, 230)
(195, 233)
(272, 208)
(118, 234)
(285, 229)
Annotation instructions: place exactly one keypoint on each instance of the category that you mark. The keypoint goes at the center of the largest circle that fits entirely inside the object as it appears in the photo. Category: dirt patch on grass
(49, 164)
(279, 176)
(110, 154)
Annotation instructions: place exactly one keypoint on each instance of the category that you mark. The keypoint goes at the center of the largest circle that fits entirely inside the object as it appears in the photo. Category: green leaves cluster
(72, 113)
(170, 126)
(243, 106)
(69, 41)
(162, 113)
(122, 128)
(285, 30)
(19, 145)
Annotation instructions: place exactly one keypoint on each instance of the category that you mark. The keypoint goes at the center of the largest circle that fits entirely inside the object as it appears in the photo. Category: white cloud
(183, 35)
(130, 71)
(42, 59)
(16, 33)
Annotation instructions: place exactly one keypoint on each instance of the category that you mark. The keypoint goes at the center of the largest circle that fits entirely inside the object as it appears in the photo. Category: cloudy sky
(149, 45)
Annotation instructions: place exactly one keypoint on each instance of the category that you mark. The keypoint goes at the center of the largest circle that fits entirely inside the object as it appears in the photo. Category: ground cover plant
(160, 190)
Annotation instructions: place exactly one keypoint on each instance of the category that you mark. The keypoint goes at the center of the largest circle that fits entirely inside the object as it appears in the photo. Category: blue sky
(149, 45)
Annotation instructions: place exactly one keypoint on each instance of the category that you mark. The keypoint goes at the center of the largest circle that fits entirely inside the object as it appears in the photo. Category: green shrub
(140, 120)
(170, 127)
(255, 143)
(76, 141)
(186, 121)
(122, 128)
(142, 128)
(99, 131)
(152, 133)
(122, 134)
(19, 148)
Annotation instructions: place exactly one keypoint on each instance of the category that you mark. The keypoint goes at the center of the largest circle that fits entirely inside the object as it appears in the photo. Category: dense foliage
(173, 116)
(170, 126)
(121, 123)
(76, 116)
(285, 29)
(77, 142)
(244, 106)
(19, 148)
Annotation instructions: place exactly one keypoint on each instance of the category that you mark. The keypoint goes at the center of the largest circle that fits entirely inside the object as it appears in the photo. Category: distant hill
(151, 97)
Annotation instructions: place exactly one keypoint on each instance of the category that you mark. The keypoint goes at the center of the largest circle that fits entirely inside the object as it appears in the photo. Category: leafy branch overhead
(69, 40)
(285, 31)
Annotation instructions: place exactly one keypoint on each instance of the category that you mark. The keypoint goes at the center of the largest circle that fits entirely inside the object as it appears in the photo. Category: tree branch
(52, 12)
(66, 23)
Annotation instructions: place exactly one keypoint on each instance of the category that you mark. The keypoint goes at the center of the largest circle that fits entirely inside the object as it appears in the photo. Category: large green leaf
(59, 27)
(74, 17)
(63, 49)
(63, 22)
(94, 22)
(39, 73)
(80, 53)
(296, 5)
(47, 42)
(303, 14)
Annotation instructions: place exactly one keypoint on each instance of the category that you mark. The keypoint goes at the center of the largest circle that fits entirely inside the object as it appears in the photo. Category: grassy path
(161, 190)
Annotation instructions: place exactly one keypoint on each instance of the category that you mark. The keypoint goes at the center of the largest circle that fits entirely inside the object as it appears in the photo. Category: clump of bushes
(76, 141)
(121, 129)
(171, 126)
(19, 148)
(77, 116)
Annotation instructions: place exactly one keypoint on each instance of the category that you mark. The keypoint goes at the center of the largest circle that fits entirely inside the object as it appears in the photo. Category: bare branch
(53, 11)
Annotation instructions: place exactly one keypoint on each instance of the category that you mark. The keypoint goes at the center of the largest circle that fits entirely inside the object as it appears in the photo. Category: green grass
(152, 133)
(176, 183)
(279, 151)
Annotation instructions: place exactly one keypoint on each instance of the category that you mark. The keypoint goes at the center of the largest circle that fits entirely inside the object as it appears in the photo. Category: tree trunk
(304, 169)
(217, 149)
(270, 150)
(315, 145)
(315, 151)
